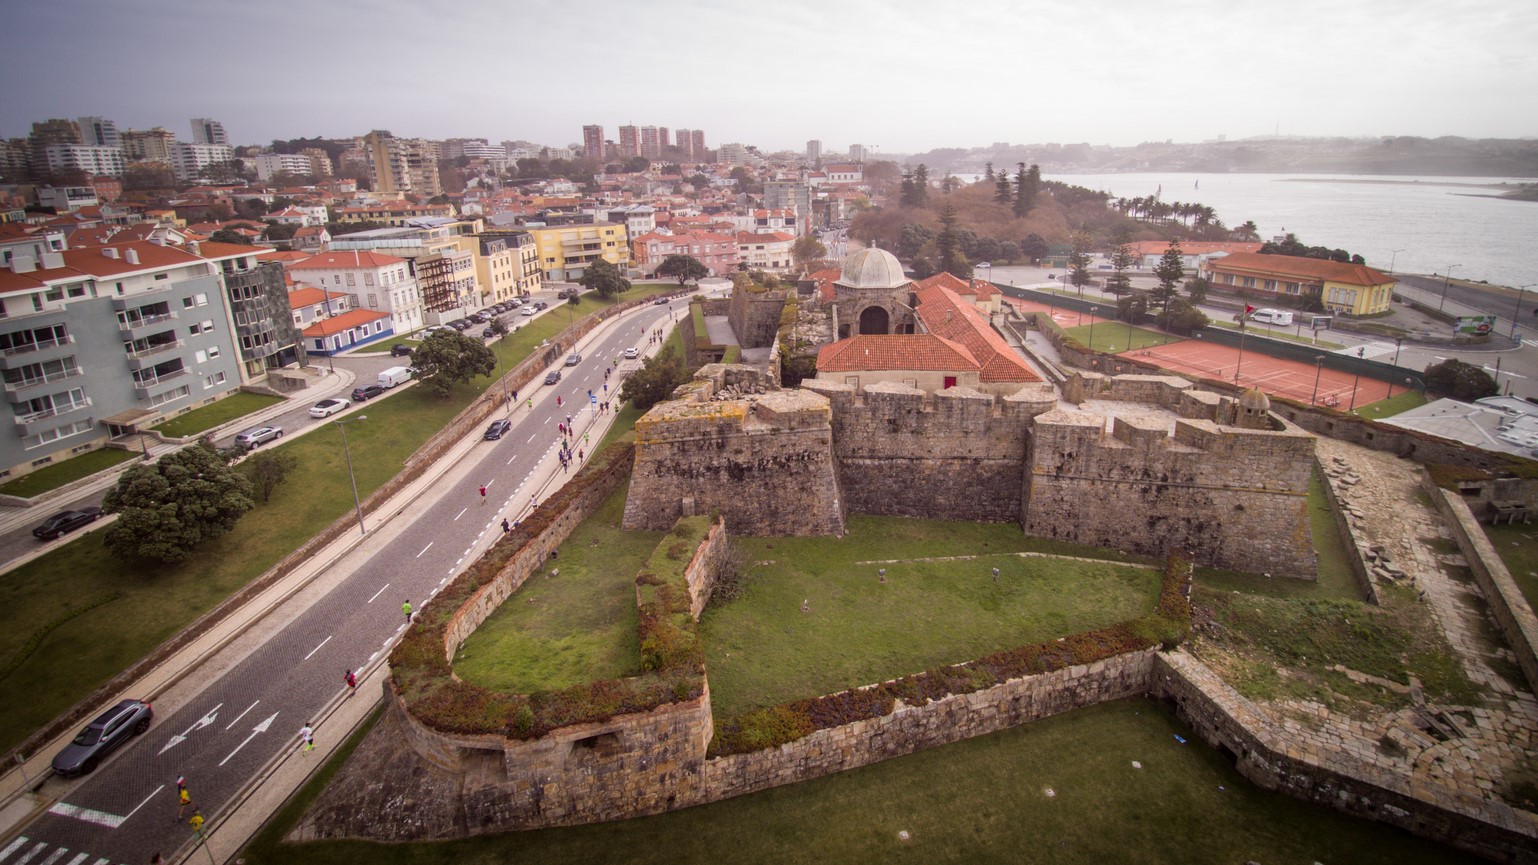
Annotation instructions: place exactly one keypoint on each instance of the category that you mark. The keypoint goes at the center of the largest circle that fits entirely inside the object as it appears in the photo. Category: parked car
(552, 376)
(394, 375)
(540, 304)
(528, 310)
(327, 407)
(102, 736)
(566, 293)
(459, 324)
(65, 522)
(573, 359)
(497, 429)
(488, 333)
(436, 328)
(256, 435)
(366, 392)
(632, 353)
(399, 350)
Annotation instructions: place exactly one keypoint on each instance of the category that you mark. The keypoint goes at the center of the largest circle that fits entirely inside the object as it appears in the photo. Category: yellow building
(1349, 289)
(507, 265)
(565, 251)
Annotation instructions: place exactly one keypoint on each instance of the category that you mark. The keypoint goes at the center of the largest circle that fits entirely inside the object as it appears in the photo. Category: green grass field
(55, 475)
(1402, 401)
(1115, 336)
(762, 649)
(555, 632)
(1517, 545)
(198, 420)
(983, 800)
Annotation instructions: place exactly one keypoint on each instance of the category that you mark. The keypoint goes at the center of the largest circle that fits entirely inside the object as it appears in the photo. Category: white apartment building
(377, 282)
(268, 164)
(93, 159)
(189, 160)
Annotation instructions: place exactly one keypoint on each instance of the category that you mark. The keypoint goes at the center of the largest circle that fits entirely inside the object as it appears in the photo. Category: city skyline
(895, 76)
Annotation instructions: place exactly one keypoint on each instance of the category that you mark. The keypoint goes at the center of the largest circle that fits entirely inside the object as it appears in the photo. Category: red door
(950, 382)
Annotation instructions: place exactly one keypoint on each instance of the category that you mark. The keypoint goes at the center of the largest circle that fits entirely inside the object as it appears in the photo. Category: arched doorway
(873, 319)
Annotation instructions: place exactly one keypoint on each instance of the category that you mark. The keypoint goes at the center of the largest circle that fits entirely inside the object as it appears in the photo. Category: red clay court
(1064, 318)
(1289, 378)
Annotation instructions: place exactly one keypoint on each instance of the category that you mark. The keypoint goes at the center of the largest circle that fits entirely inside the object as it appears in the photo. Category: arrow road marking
(196, 725)
(242, 715)
(259, 728)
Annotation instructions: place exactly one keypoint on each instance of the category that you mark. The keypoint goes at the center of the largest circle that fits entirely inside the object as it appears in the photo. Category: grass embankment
(1115, 336)
(556, 632)
(1275, 638)
(199, 420)
(1399, 402)
(1064, 789)
(55, 475)
(763, 650)
(1517, 545)
(57, 651)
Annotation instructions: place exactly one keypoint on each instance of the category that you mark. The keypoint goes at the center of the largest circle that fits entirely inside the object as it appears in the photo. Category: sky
(903, 76)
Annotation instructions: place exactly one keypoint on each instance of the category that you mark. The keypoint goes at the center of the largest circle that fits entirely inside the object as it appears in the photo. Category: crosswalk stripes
(30, 857)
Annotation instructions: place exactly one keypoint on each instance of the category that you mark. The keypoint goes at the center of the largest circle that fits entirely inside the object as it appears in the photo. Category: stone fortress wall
(755, 316)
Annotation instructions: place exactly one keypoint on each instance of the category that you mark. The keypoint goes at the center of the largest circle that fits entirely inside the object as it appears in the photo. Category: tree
(267, 469)
(1247, 231)
(1003, 190)
(446, 358)
(1183, 318)
(1118, 283)
(906, 198)
(655, 381)
(1459, 380)
(912, 238)
(1132, 306)
(921, 185)
(1170, 270)
(251, 208)
(1034, 247)
(1197, 287)
(948, 244)
(280, 231)
(224, 235)
(1025, 198)
(167, 508)
(1078, 260)
(604, 278)
(1009, 250)
(807, 249)
(988, 171)
(682, 268)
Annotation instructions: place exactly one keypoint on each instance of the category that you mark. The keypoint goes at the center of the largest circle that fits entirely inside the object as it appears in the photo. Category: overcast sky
(903, 75)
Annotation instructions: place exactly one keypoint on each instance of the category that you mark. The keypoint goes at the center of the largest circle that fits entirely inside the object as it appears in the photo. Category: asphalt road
(126, 810)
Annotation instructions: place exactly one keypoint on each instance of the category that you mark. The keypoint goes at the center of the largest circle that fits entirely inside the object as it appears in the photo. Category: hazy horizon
(896, 75)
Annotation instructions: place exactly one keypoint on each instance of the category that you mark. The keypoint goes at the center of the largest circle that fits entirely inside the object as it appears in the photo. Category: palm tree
(1247, 231)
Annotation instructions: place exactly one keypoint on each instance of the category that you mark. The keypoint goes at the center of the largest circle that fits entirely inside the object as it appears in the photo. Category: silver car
(257, 435)
(110, 729)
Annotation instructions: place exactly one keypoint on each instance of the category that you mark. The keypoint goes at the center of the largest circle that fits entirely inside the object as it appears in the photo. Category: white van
(1272, 316)
(394, 375)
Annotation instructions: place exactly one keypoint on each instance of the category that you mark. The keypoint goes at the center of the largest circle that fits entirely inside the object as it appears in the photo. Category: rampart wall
(1230, 498)
(902, 452)
(755, 316)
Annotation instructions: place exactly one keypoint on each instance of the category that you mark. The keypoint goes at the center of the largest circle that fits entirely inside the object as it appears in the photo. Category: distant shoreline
(1510, 187)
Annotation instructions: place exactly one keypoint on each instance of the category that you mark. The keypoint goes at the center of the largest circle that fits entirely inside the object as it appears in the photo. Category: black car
(497, 429)
(488, 333)
(400, 350)
(661, 301)
(65, 522)
(368, 391)
(110, 729)
(552, 376)
(540, 304)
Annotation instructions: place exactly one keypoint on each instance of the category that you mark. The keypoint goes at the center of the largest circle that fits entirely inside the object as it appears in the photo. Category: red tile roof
(346, 260)
(345, 321)
(944, 313)
(1297, 267)
(308, 296)
(975, 287)
(918, 351)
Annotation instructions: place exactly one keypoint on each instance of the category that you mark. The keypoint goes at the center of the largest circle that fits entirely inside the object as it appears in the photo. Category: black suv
(400, 350)
(110, 729)
(368, 391)
(65, 521)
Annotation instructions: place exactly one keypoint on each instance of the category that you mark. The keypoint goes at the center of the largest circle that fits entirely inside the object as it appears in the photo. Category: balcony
(139, 324)
(14, 387)
(13, 358)
(25, 421)
(144, 387)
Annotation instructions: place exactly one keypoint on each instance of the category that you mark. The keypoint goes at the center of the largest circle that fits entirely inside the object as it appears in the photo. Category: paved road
(127, 810)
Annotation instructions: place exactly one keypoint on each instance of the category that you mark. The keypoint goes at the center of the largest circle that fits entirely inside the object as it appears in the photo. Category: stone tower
(872, 295)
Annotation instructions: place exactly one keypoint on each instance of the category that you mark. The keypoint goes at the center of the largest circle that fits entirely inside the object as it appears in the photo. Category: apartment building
(718, 252)
(400, 165)
(392, 213)
(148, 145)
(770, 251)
(441, 253)
(565, 251)
(381, 283)
(189, 161)
(592, 142)
(206, 130)
(101, 342)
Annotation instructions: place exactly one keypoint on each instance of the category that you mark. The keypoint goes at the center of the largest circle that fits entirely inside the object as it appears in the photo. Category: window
(77, 291)
(55, 294)
(200, 357)
(368, 279)
(201, 298)
(186, 303)
(160, 276)
(208, 325)
(349, 279)
(214, 352)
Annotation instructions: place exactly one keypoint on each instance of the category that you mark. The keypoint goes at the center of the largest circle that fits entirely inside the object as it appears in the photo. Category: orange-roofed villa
(1350, 289)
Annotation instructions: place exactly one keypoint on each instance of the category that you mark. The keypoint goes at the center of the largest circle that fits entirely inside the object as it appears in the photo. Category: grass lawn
(1517, 545)
(1288, 334)
(87, 649)
(1399, 402)
(235, 405)
(983, 800)
(762, 650)
(557, 632)
(55, 475)
(1115, 336)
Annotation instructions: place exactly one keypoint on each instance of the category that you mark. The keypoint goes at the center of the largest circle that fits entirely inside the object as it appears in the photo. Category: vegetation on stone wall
(670, 638)
(1167, 626)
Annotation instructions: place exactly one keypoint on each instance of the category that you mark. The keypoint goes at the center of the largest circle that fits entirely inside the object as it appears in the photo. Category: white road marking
(57, 855)
(80, 857)
(198, 724)
(460, 514)
(430, 543)
(316, 649)
(249, 708)
(380, 592)
(531, 438)
(89, 815)
(12, 847)
(259, 728)
(510, 460)
(146, 801)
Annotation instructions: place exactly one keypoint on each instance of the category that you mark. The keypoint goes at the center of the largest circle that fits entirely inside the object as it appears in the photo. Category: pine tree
(1003, 189)
(1030, 187)
(907, 190)
(921, 186)
(1022, 203)
(1078, 260)
(1118, 283)
(1170, 270)
(988, 172)
(948, 244)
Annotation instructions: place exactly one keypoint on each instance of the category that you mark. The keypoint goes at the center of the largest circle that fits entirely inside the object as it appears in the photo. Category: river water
(1434, 221)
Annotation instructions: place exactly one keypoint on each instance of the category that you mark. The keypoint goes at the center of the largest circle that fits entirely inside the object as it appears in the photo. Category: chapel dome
(1255, 400)
(872, 268)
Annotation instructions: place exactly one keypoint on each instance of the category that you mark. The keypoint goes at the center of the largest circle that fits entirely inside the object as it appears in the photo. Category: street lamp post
(1318, 371)
(1398, 341)
(1092, 311)
(1521, 292)
(1243, 331)
(1391, 259)
(1446, 278)
(357, 503)
(1360, 353)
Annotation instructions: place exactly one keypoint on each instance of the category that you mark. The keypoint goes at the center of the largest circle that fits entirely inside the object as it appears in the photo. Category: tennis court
(1289, 378)
(1064, 318)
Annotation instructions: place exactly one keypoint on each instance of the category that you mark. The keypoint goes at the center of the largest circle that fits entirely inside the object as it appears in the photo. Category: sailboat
(1198, 184)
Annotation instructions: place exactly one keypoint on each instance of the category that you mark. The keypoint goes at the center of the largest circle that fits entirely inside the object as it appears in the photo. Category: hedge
(1167, 625)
